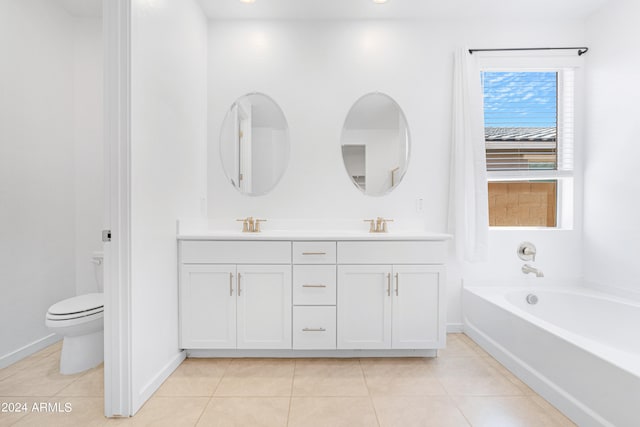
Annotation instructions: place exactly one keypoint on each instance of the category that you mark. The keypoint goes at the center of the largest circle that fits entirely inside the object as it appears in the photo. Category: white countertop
(311, 235)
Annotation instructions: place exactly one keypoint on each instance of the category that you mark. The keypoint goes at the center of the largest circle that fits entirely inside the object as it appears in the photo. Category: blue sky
(520, 99)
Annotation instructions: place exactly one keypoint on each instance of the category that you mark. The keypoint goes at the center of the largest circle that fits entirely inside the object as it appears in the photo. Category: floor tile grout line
(203, 411)
(289, 410)
(226, 369)
(293, 377)
(364, 375)
(455, 403)
(375, 412)
(461, 411)
(69, 385)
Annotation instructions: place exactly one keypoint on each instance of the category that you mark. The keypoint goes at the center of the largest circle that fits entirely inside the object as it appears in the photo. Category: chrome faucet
(526, 269)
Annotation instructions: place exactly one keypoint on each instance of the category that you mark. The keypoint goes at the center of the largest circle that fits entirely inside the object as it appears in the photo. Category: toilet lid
(79, 304)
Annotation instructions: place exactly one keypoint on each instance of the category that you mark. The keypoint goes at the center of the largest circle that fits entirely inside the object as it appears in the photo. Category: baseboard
(455, 328)
(152, 386)
(28, 350)
(288, 353)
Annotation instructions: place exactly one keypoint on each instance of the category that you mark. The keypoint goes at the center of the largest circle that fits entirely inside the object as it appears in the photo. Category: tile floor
(464, 386)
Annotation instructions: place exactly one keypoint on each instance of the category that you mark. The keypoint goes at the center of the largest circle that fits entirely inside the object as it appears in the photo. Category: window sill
(541, 229)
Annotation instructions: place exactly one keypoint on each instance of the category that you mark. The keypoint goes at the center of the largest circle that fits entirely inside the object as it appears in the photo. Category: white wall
(36, 169)
(316, 70)
(88, 143)
(168, 173)
(612, 186)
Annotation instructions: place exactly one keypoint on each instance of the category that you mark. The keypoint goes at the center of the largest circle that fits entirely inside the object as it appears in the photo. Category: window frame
(567, 185)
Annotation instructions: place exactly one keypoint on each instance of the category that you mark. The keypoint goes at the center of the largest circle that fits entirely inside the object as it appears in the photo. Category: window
(528, 119)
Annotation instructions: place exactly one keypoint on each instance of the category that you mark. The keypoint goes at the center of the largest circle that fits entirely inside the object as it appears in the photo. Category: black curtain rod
(581, 50)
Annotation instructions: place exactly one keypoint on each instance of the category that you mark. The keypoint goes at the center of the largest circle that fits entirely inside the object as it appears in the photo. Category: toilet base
(82, 352)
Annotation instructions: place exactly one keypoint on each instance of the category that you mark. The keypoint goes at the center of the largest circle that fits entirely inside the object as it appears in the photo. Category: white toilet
(80, 321)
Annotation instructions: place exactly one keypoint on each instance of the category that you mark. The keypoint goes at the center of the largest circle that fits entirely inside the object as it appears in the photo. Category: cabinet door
(364, 307)
(418, 306)
(207, 306)
(264, 306)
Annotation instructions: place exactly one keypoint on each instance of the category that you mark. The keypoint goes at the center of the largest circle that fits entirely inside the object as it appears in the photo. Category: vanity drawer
(314, 328)
(234, 252)
(407, 252)
(314, 285)
(314, 252)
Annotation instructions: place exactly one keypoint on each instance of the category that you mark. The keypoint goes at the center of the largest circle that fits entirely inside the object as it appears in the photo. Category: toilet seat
(87, 313)
(80, 306)
(84, 306)
(77, 315)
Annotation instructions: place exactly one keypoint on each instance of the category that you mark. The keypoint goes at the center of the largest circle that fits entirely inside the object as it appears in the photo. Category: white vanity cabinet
(391, 306)
(264, 306)
(229, 306)
(312, 297)
(364, 306)
(417, 311)
(207, 306)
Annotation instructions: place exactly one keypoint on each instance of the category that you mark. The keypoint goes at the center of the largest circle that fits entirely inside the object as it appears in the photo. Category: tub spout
(526, 269)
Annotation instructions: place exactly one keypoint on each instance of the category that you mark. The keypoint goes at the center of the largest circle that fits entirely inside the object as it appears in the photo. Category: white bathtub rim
(628, 362)
(626, 293)
(568, 405)
(582, 288)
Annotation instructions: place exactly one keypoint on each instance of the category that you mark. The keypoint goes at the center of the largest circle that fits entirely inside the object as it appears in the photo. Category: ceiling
(399, 9)
(82, 7)
(366, 9)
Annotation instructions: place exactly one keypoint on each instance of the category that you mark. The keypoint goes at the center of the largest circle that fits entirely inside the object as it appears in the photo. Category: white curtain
(468, 194)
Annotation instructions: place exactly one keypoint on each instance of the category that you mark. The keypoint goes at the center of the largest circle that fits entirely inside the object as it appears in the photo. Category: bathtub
(578, 348)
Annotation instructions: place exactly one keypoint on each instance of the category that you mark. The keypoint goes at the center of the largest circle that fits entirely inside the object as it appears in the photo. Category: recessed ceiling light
(248, 1)
(379, 1)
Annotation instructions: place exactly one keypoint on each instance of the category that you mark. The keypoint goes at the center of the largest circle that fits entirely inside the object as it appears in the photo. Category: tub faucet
(526, 269)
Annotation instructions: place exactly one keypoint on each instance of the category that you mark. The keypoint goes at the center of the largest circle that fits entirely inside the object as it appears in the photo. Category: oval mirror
(254, 144)
(375, 144)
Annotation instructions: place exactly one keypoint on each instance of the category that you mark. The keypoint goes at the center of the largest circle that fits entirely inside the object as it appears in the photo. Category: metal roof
(519, 134)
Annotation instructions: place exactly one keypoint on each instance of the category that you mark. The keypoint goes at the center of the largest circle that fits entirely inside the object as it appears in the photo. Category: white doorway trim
(117, 253)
